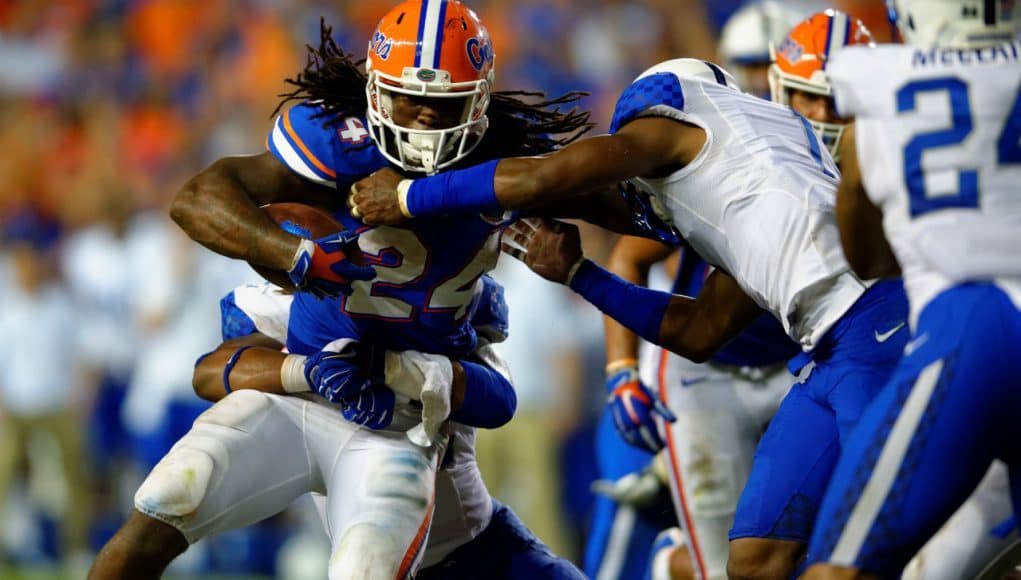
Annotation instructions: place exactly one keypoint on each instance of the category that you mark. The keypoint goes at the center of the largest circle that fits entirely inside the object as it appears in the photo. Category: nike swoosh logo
(883, 337)
(693, 382)
(914, 344)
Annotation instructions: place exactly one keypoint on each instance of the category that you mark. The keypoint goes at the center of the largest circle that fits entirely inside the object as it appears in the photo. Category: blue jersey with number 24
(426, 269)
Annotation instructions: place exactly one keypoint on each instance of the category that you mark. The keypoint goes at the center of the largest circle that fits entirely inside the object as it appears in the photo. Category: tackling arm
(860, 221)
(693, 328)
(645, 146)
(700, 326)
(257, 367)
(219, 208)
(480, 395)
(603, 206)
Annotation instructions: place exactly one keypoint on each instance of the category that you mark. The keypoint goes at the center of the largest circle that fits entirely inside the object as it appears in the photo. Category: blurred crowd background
(106, 108)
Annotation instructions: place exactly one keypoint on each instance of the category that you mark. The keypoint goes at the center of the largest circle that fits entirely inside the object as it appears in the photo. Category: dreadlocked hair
(521, 123)
(525, 123)
(332, 78)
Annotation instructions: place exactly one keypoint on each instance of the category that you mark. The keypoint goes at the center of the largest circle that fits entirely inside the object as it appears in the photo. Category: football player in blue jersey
(232, 493)
(748, 185)
(425, 104)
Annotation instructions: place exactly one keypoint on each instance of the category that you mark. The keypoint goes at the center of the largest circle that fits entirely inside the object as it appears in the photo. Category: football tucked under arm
(305, 221)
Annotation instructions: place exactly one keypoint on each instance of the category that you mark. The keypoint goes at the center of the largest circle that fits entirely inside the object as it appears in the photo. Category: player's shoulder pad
(234, 322)
(302, 141)
(649, 90)
(323, 149)
(661, 86)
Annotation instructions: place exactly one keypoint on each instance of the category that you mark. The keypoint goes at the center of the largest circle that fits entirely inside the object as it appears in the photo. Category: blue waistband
(882, 306)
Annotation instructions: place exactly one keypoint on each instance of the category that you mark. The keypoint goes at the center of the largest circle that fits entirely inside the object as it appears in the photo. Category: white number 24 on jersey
(404, 258)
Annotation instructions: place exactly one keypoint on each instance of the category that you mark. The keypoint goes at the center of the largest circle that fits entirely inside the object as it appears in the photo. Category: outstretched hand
(550, 248)
(374, 199)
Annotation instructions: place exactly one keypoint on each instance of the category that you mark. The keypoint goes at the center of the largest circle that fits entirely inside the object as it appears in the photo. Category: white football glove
(638, 489)
(428, 378)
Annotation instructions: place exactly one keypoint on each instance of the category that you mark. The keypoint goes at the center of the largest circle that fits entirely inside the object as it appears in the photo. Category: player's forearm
(697, 328)
(485, 398)
(256, 368)
(621, 343)
(638, 309)
(680, 332)
(214, 209)
(670, 320)
(524, 183)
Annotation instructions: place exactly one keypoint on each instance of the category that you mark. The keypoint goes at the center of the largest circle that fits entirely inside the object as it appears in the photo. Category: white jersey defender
(758, 201)
(938, 139)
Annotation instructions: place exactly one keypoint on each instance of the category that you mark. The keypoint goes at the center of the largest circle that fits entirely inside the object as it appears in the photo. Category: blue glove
(323, 268)
(490, 316)
(372, 407)
(633, 407)
(340, 376)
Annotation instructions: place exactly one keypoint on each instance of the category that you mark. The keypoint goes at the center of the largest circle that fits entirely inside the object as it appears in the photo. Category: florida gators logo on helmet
(433, 49)
(480, 52)
(799, 63)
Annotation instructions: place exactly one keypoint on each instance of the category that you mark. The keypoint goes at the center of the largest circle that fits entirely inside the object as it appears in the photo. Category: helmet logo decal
(791, 49)
(381, 45)
(479, 52)
(426, 75)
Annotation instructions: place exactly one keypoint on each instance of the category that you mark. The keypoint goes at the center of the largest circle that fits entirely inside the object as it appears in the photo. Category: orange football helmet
(799, 63)
(435, 49)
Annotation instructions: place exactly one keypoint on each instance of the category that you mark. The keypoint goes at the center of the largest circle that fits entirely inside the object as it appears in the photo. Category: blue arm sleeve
(638, 308)
(489, 399)
(459, 191)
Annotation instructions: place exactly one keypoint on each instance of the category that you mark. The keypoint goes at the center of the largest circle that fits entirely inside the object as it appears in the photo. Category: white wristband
(292, 374)
(402, 196)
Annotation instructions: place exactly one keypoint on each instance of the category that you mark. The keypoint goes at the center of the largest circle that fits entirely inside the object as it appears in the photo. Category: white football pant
(721, 412)
(252, 454)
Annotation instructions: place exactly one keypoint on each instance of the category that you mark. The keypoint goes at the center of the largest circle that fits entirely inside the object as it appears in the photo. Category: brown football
(315, 223)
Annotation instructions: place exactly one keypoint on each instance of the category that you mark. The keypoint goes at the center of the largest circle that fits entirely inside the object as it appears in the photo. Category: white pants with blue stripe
(721, 413)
